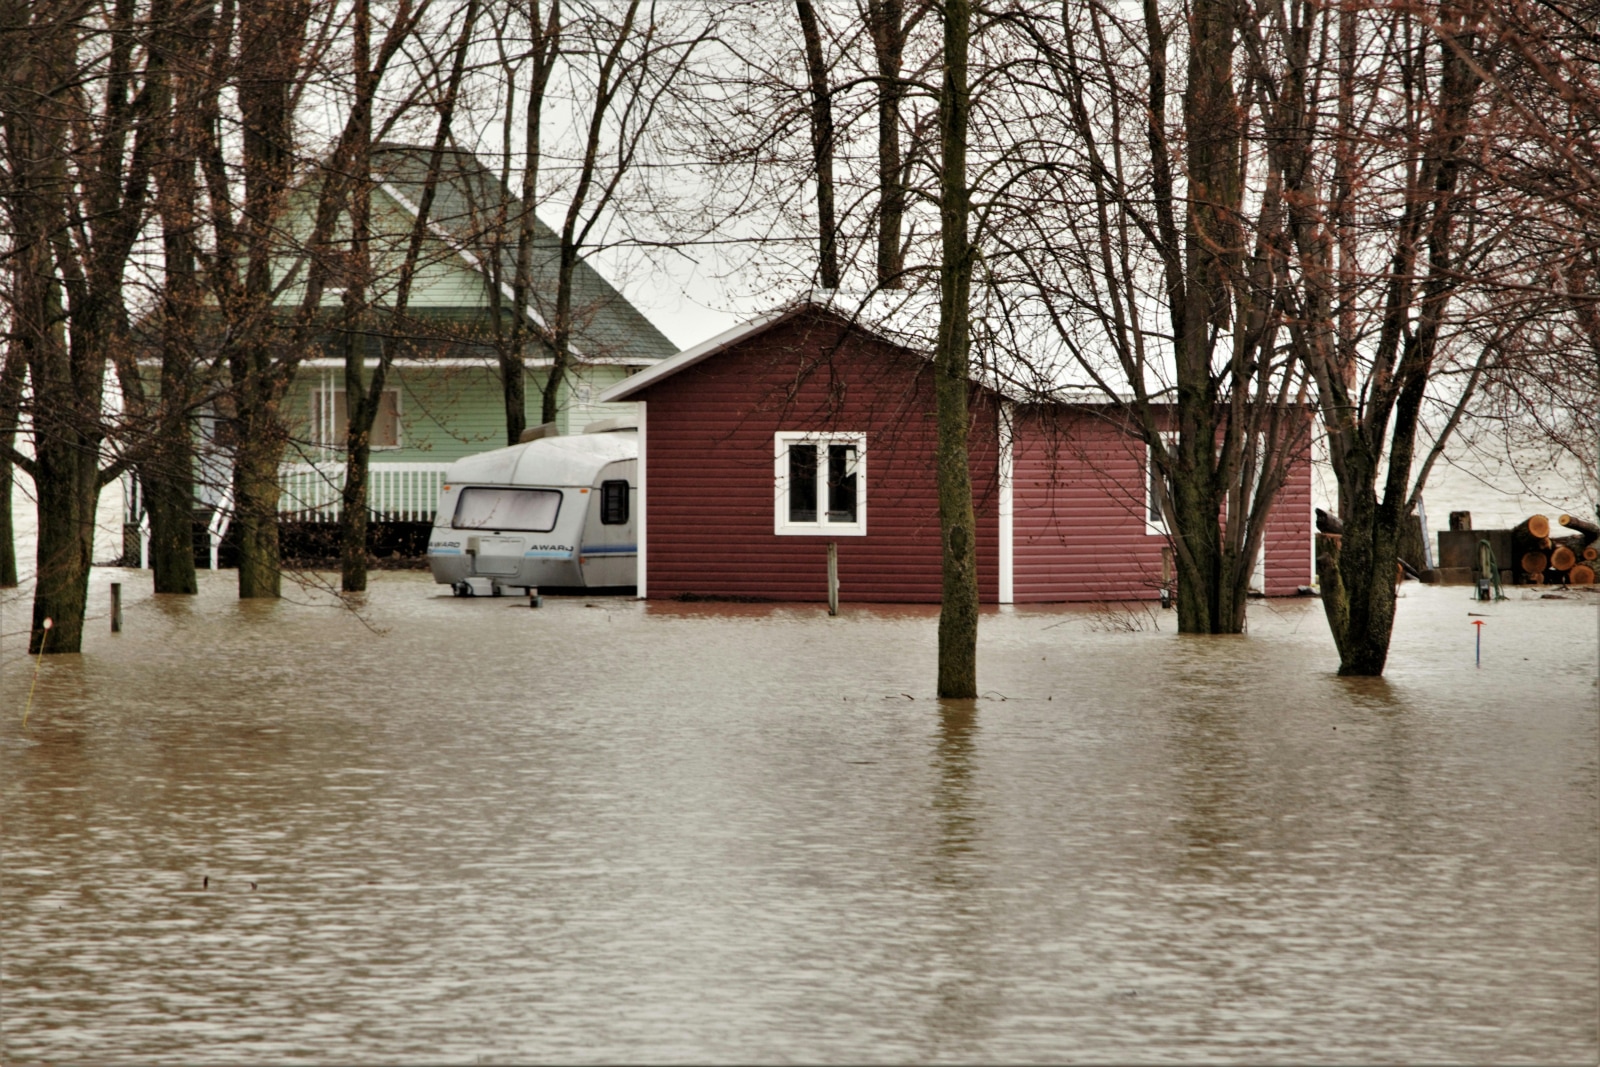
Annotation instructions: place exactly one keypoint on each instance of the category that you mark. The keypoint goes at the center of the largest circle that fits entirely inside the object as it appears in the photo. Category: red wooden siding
(1078, 530)
(1078, 502)
(709, 455)
(1288, 542)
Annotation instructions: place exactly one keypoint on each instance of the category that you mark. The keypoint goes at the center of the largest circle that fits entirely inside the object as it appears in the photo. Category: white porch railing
(399, 492)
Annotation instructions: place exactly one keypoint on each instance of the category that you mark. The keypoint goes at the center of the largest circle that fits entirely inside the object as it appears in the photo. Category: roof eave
(704, 350)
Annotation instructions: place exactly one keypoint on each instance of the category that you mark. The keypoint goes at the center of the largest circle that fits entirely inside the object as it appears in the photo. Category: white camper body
(553, 512)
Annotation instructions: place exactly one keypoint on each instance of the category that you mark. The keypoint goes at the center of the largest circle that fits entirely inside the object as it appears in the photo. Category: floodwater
(467, 831)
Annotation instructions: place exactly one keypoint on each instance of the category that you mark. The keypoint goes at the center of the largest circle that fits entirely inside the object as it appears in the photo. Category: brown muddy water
(463, 830)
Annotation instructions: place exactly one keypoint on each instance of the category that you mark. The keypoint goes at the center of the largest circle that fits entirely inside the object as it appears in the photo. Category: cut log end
(1538, 526)
(1563, 558)
(1581, 574)
(1534, 562)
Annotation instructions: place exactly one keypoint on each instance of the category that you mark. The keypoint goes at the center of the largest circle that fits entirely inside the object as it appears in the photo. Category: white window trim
(780, 473)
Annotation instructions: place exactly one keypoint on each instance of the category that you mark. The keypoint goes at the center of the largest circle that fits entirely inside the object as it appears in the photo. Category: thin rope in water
(42, 642)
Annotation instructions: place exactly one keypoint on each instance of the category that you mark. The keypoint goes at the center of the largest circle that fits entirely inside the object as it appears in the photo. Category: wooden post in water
(833, 578)
(116, 607)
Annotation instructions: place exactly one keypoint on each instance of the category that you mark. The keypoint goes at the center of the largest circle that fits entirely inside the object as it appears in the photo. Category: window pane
(841, 483)
(1153, 491)
(533, 510)
(613, 503)
(802, 483)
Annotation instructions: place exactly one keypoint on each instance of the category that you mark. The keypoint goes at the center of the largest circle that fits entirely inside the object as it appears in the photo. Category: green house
(443, 398)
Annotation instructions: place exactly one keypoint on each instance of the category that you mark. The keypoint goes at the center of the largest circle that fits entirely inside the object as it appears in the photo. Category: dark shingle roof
(466, 204)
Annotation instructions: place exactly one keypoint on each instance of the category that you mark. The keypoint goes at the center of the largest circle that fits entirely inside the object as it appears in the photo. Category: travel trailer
(552, 512)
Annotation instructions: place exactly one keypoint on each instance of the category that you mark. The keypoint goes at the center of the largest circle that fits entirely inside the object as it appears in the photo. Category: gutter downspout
(642, 560)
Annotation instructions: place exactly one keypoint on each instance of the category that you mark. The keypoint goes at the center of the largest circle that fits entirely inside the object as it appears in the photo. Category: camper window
(613, 503)
(529, 510)
(821, 483)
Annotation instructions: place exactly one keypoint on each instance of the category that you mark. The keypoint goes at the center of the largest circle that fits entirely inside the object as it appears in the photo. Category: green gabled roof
(606, 326)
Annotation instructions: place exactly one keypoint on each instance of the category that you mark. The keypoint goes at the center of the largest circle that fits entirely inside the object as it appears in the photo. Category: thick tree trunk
(167, 478)
(1210, 586)
(1367, 555)
(255, 497)
(270, 38)
(168, 485)
(958, 615)
(66, 476)
(67, 490)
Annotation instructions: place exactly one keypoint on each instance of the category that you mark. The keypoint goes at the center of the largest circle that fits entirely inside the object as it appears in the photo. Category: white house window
(330, 419)
(1156, 487)
(821, 481)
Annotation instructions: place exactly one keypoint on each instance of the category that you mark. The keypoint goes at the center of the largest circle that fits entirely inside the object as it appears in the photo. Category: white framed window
(1156, 488)
(329, 419)
(821, 481)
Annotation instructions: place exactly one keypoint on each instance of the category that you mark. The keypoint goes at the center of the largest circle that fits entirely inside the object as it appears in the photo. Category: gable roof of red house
(897, 324)
(628, 388)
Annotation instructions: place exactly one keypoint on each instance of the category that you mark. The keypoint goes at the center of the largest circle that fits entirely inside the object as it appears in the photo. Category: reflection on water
(462, 829)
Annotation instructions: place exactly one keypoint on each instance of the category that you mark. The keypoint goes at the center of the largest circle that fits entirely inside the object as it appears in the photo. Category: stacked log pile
(1544, 560)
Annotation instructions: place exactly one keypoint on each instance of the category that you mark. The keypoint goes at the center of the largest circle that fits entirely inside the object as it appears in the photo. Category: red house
(761, 445)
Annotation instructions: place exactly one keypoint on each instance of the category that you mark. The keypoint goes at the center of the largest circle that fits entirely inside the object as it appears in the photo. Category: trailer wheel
(462, 588)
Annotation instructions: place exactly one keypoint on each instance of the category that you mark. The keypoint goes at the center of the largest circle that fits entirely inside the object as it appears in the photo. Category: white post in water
(116, 607)
(833, 578)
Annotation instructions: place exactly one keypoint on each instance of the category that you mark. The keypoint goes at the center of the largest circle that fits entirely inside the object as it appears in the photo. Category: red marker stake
(1478, 655)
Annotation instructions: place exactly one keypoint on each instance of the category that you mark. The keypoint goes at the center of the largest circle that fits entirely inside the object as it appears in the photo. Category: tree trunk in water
(67, 490)
(168, 485)
(168, 480)
(1367, 558)
(1199, 547)
(255, 517)
(958, 615)
(1335, 604)
(1210, 594)
(353, 522)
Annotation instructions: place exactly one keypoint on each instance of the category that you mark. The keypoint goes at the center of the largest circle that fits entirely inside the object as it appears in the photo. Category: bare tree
(512, 223)
(364, 394)
(1133, 253)
(263, 246)
(821, 144)
(1372, 349)
(77, 154)
(958, 615)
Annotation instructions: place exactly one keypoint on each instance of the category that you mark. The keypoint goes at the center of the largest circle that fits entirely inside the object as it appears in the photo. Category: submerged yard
(607, 830)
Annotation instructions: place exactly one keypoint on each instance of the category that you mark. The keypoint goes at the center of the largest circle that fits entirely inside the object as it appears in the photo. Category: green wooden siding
(447, 412)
